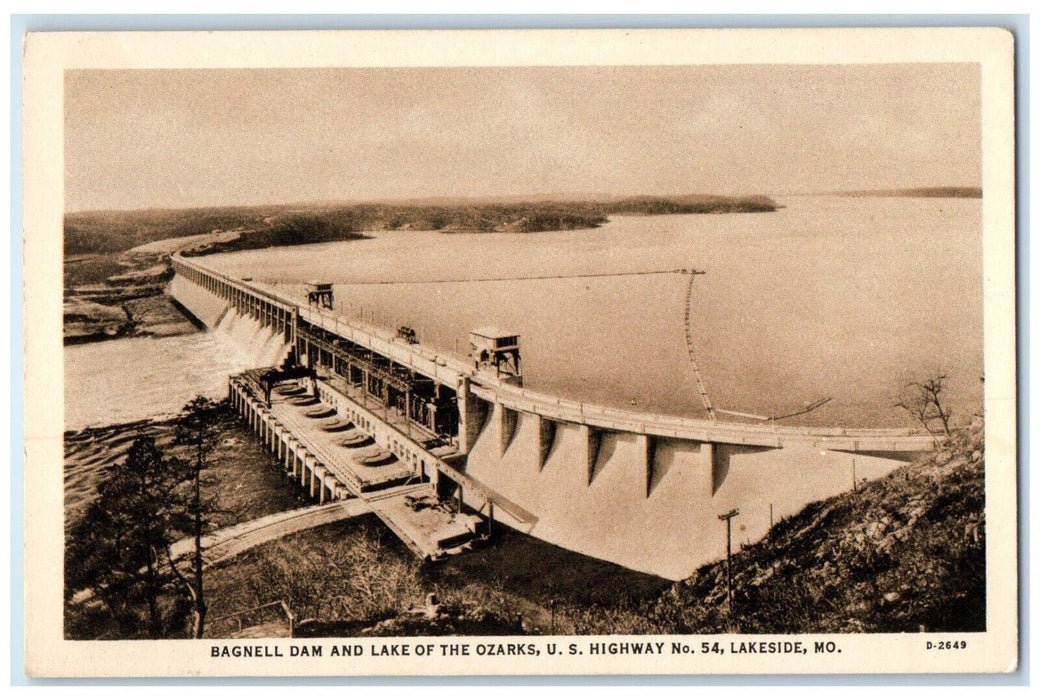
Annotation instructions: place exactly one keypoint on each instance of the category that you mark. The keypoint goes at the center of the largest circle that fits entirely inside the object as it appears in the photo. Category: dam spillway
(641, 490)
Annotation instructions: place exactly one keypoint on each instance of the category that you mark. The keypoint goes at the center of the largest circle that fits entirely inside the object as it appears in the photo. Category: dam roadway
(639, 489)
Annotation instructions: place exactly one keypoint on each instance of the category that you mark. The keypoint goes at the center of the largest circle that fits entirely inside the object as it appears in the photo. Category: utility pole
(728, 517)
(772, 543)
(854, 486)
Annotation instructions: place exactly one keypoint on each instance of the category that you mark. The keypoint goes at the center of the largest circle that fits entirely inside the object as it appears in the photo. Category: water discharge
(261, 344)
(136, 378)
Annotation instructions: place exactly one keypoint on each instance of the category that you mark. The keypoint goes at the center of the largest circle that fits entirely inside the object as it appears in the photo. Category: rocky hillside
(902, 554)
(113, 295)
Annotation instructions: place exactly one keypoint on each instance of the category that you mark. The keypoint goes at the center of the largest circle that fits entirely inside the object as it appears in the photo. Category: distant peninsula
(95, 232)
(936, 192)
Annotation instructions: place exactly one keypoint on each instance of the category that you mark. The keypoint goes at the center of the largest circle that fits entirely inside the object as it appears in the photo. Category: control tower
(493, 348)
(319, 294)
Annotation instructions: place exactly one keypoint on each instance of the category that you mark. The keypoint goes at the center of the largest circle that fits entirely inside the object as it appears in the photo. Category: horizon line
(533, 197)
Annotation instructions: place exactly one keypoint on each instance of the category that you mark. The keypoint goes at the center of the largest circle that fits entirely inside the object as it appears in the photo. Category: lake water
(836, 297)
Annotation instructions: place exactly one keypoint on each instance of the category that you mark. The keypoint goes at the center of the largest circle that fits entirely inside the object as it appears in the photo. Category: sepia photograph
(573, 362)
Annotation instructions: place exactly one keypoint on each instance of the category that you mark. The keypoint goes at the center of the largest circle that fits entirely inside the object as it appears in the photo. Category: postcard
(520, 352)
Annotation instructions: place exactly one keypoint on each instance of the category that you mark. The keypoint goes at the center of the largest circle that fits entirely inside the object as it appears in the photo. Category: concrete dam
(352, 410)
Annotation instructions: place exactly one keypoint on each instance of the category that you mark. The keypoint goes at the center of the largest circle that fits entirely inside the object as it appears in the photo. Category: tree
(116, 547)
(197, 429)
(926, 403)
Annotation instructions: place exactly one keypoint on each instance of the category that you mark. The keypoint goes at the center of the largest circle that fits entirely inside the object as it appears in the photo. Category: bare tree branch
(925, 402)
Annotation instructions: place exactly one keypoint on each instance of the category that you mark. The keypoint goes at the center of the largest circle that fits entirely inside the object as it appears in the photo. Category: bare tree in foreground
(926, 403)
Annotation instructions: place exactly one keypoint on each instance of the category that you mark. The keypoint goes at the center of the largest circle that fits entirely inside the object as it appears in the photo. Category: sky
(184, 138)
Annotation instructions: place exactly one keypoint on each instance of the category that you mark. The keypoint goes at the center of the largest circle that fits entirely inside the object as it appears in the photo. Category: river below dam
(840, 297)
(130, 379)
